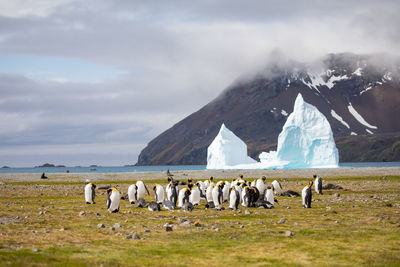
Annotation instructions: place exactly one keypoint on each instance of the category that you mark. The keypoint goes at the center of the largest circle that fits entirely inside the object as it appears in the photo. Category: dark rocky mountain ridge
(359, 96)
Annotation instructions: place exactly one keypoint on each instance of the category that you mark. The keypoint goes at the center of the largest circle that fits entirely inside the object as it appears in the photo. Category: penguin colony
(239, 192)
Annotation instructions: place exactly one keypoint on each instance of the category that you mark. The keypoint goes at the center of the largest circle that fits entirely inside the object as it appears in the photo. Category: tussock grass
(359, 227)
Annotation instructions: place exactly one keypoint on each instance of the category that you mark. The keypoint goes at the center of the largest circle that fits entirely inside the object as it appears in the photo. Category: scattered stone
(295, 224)
(112, 228)
(136, 236)
(98, 214)
(242, 226)
(197, 224)
(282, 221)
(35, 250)
(232, 237)
(383, 178)
(216, 229)
(129, 237)
(82, 213)
(147, 231)
(185, 223)
(100, 225)
(41, 213)
(389, 205)
(168, 228)
(332, 186)
(289, 233)
(116, 225)
(328, 208)
(336, 222)
(247, 212)
(337, 195)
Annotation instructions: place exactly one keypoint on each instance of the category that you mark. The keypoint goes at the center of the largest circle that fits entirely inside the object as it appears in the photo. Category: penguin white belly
(89, 194)
(225, 191)
(242, 194)
(180, 197)
(303, 195)
(215, 197)
(260, 186)
(160, 194)
(253, 184)
(194, 197)
(206, 184)
(239, 189)
(114, 198)
(209, 196)
(168, 190)
(132, 197)
(141, 190)
(269, 196)
(232, 199)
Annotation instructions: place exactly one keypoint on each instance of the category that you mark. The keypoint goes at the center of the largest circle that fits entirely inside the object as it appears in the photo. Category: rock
(295, 224)
(289, 233)
(98, 214)
(197, 224)
(185, 223)
(112, 228)
(35, 250)
(242, 226)
(383, 178)
(337, 195)
(82, 213)
(147, 231)
(100, 225)
(168, 228)
(337, 222)
(282, 221)
(116, 225)
(41, 213)
(216, 229)
(129, 237)
(247, 212)
(181, 220)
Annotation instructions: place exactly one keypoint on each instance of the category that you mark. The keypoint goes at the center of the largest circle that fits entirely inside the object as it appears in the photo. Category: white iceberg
(227, 150)
(306, 141)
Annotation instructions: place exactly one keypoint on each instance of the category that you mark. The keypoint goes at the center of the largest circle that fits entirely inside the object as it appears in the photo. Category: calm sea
(162, 168)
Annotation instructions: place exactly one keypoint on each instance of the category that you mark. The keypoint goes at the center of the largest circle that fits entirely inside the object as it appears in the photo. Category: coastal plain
(45, 222)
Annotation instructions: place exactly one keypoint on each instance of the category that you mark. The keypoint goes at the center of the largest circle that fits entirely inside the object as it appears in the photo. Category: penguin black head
(315, 176)
(268, 187)
(263, 178)
(190, 180)
(190, 185)
(154, 188)
(211, 178)
(169, 178)
(241, 176)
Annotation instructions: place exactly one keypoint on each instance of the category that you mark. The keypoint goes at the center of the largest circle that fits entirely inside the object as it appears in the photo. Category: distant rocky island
(48, 165)
(5, 167)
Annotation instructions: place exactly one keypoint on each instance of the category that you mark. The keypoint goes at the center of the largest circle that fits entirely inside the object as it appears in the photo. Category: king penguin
(90, 193)
(194, 197)
(277, 187)
(172, 191)
(261, 185)
(183, 196)
(318, 184)
(234, 199)
(113, 198)
(226, 190)
(132, 194)
(306, 195)
(269, 196)
(158, 193)
(141, 189)
(217, 195)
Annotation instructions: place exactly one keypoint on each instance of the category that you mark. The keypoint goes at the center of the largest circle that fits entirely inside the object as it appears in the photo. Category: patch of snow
(353, 133)
(333, 79)
(368, 131)
(340, 119)
(284, 113)
(380, 83)
(387, 76)
(359, 118)
(358, 72)
(366, 89)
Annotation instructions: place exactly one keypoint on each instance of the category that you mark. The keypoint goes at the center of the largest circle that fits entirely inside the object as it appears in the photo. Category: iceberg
(227, 150)
(306, 141)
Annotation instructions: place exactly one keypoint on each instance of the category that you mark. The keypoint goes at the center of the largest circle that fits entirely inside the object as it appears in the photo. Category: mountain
(358, 94)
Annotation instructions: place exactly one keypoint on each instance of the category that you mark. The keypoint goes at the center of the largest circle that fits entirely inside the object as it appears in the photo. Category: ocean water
(172, 168)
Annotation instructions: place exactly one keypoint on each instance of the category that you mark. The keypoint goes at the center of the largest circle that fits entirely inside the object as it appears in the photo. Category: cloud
(171, 57)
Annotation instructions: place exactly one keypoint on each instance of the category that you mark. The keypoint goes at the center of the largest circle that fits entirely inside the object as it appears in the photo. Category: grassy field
(48, 223)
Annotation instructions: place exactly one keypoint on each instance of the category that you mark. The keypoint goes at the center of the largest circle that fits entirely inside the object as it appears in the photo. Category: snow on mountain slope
(358, 117)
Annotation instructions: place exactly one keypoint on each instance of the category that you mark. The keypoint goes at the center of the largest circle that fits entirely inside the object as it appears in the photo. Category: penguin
(194, 197)
(141, 189)
(90, 193)
(206, 184)
(260, 185)
(209, 197)
(250, 195)
(306, 195)
(187, 206)
(190, 180)
(211, 180)
(132, 194)
(113, 198)
(269, 196)
(234, 199)
(154, 206)
(172, 191)
(141, 203)
(217, 195)
(290, 193)
(183, 196)
(253, 183)
(202, 189)
(318, 184)
(226, 190)
(168, 205)
(277, 187)
(158, 193)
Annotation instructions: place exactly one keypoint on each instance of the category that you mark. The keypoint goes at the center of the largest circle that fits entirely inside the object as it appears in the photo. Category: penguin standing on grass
(318, 184)
(158, 193)
(195, 195)
(269, 196)
(306, 195)
(132, 194)
(89, 192)
(183, 196)
(141, 189)
(234, 199)
(172, 191)
(226, 190)
(277, 187)
(113, 198)
(217, 196)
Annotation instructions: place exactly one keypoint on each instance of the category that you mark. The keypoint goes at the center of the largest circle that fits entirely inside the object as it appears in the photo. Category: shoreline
(204, 174)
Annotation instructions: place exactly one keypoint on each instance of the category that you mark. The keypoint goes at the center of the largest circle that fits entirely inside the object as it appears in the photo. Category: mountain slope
(357, 95)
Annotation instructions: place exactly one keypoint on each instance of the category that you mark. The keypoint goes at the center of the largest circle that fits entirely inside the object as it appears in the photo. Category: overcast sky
(92, 82)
